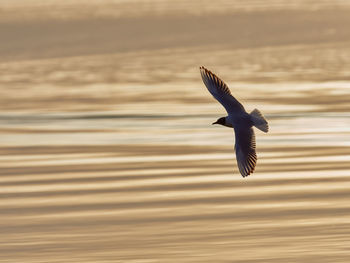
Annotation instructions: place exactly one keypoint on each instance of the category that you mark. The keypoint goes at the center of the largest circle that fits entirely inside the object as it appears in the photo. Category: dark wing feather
(245, 150)
(220, 91)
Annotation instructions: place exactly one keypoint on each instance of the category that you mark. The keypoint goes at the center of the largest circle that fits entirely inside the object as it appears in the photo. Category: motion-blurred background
(106, 149)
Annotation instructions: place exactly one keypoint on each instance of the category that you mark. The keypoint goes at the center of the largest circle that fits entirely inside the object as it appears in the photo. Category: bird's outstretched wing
(220, 91)
(245, 150)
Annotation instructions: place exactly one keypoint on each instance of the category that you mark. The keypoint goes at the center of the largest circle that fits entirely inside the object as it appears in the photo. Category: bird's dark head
(220, 121)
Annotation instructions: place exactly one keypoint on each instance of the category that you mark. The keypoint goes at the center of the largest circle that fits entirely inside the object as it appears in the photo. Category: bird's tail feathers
(259, 120)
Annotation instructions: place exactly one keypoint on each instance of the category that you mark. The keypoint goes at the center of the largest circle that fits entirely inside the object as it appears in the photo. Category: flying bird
(241, 121)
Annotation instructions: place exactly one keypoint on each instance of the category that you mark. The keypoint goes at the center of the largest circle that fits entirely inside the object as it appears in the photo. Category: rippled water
(107, 152)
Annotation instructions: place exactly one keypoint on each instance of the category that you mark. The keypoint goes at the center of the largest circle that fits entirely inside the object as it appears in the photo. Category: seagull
(241, 121)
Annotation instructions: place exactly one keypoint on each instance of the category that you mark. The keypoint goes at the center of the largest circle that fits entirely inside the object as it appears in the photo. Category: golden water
(107, 153)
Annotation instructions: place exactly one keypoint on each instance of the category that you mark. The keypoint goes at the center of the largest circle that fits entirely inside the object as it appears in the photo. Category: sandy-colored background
(106, 149)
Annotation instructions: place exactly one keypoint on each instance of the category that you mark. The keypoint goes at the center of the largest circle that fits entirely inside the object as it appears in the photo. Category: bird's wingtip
(205, 70)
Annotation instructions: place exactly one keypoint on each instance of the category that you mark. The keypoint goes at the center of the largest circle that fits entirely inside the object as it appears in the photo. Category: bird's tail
(259, 120)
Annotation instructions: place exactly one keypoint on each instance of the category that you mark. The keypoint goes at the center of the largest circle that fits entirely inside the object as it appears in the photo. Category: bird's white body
(238, 119)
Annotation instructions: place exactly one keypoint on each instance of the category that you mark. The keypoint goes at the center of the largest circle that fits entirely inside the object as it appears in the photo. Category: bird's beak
(214, 123)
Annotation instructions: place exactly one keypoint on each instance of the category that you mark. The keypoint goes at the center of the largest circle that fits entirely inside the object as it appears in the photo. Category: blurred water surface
(107, 149)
